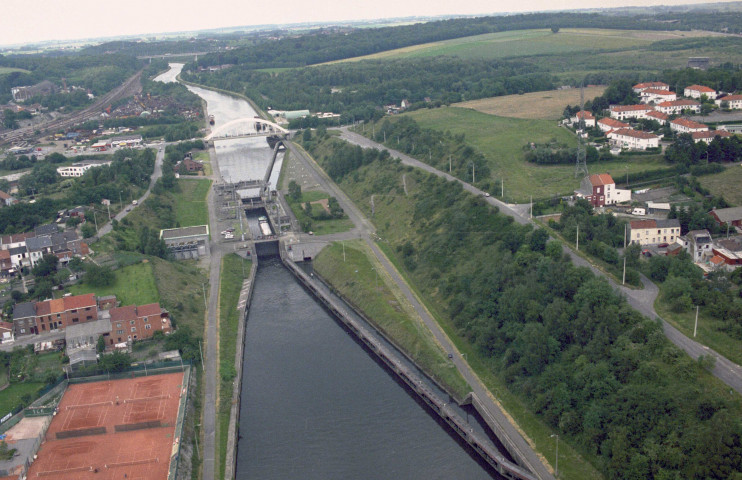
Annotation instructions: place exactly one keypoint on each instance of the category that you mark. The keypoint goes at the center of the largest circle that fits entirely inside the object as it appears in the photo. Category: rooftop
(601, 179)
(688, 123)
(171, 233)
(701, 88)
(630, 108)
(630, 132)
(728, 215)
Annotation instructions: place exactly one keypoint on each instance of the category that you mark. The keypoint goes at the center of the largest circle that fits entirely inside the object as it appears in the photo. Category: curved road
(642, 300)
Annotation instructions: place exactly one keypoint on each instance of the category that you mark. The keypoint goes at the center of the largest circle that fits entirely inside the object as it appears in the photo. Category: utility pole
(624, 237)
(623, 280)
(577, 240)
(473, 177)
(502, 184)
(695, 326)
(531, 206)
(95, 220)
(343, 251)
(449, 166)
(556, 464)
(203, 287)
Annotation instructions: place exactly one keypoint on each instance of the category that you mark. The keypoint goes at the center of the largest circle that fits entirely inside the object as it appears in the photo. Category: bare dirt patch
(547, 105)
(324, 202)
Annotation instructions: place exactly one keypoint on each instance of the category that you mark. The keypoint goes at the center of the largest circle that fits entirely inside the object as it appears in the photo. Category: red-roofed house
(651, 232)
(633, 139)
(622, 112)
(6, 264)
(586, 117)
(601, 190)
(7, 199)
(639, 87)
(678, 106)
(658, 116)
(655, 95)
(708, 136)
(731, 101)
(695, 91)
(607, 124)
(683, 125)
(132, 323)
(62, 312)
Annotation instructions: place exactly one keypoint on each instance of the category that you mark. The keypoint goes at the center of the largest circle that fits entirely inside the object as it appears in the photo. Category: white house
(678, 106)
(657, 95)
(622, 112)
(709, 135)
(640, 87)
(662, 118)
(652, 232)
(695, 91)
(732, 101)
(586, 117)
(683, 125)
(607, 124)
(698, 244)
(633, 139)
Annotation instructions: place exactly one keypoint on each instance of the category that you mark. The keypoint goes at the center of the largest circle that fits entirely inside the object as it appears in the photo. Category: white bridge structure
(246, 127)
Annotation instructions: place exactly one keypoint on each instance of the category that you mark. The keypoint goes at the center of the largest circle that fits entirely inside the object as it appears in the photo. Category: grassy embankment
(358, 276)
(191, 203)
(317, 225)
(229, 293)
(725, 184)
(502, 140)
(133, 285)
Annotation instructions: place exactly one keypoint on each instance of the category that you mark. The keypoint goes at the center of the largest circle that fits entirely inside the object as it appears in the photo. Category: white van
(639, 211)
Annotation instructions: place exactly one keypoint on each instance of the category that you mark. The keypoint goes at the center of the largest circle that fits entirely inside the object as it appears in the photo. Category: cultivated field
(520, 43)
(502, 141)
(727, 184)
(547, 105)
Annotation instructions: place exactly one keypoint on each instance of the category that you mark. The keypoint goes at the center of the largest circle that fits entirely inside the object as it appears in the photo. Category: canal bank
(476, 440)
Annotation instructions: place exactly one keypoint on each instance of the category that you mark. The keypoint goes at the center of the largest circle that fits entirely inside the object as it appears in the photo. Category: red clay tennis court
(112, 430)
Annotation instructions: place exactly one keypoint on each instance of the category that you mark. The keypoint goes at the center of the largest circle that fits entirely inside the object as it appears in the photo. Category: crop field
(547, 105)
(501, 141)
(520, 43)
(726, 184)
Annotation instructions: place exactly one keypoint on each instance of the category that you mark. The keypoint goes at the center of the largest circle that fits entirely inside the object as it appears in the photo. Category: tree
(98, 276)
(46, 266)
(294, 191)
(555, 29)
(100, 346)
(87, 230)
(115, 362)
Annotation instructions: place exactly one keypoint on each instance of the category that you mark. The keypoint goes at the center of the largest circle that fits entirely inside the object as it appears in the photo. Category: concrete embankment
(445, 411)
(234, 415)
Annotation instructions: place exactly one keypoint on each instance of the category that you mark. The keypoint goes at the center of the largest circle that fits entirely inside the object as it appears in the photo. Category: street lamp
(556, 464)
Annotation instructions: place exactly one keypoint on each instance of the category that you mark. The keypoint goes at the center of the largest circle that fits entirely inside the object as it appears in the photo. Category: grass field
(134, 285)
(11, 396)
(205, 158)
(727, 184)
(519, 43)
(354, 275)
(547, 105)
(229, 293)
(190, 203)
(5, 70)
(319, 227)
(501, 141)
(180, 287)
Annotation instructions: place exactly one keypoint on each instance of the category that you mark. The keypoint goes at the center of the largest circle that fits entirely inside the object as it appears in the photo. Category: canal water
(315, 404)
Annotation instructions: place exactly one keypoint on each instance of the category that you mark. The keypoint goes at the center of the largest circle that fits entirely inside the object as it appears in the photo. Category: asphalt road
(642, 300)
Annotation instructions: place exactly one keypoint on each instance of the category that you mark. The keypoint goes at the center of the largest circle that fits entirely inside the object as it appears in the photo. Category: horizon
(89, 21)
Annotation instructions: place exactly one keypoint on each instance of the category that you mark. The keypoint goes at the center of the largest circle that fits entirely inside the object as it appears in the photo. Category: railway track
(129, 87)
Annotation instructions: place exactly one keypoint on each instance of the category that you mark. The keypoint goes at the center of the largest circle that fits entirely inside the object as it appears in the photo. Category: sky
(27, 21)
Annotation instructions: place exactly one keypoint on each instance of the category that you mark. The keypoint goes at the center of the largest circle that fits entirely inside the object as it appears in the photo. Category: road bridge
(245, 128)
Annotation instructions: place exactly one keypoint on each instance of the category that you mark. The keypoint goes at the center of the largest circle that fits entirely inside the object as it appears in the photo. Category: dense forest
(360, 88)
(601, 375)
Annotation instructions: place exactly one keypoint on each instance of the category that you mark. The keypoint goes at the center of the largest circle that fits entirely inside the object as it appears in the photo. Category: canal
(315, 404)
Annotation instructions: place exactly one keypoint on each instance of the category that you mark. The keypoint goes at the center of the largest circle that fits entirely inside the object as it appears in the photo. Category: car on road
(486, 194)
(663, 245)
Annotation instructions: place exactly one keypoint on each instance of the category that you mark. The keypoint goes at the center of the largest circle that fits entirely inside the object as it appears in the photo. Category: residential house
(7, 199)
(677, 107)
(6, 332)
(38, 247)
(132, 323)
(733, 102)
(600, 190)
(639, 87)
(608, 124)
(709, 135)
(587, 117)
(728, 216)
(19, 257)
(698, 244)
(683, 125)
(633, 139)
(660, 117)
(15, 240)
(189, 165)
(657, 95)
(74, 170)
(63, 312)
(729, 250)
(696, 91)
(623, 112)
(24, 319)
(654, 232)
(46, 229)
(6, 264)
